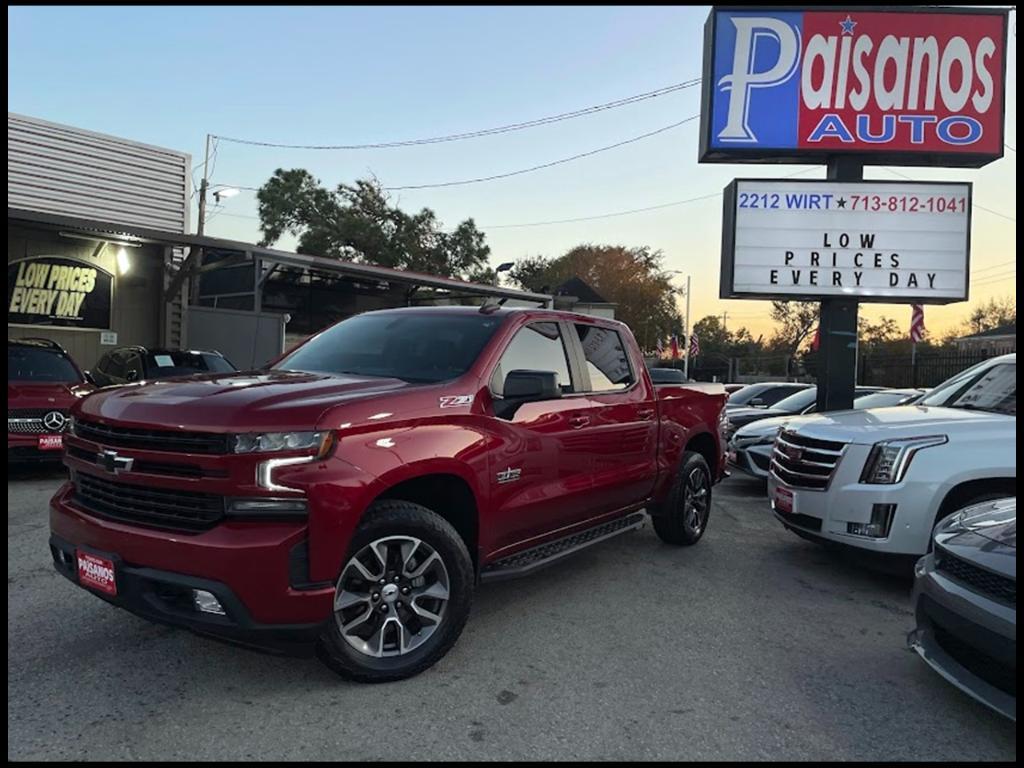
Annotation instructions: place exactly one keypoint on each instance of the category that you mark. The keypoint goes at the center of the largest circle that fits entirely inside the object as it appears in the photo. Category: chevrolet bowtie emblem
(110, 461)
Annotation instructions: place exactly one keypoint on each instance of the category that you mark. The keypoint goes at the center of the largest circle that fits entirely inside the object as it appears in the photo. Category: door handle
(576, 422)
(645, 413)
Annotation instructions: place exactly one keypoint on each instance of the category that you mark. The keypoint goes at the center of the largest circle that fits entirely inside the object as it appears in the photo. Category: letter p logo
(753, 33)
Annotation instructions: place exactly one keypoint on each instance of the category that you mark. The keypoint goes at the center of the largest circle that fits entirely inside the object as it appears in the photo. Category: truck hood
(871, 425)
(238, 402)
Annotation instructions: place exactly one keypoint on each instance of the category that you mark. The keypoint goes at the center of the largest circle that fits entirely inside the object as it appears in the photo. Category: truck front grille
(148, 506)
(164, 440)
(979, 580)
(805, 462)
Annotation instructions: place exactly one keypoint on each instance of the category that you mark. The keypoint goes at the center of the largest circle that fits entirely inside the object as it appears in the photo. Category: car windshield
(796, 402)
(37, 364)
(414, 347)
(983, 387)
(184, 363)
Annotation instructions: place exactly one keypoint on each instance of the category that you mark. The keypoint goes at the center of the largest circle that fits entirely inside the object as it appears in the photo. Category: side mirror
(530, 386)
(88, 377)
(523, 386)
(756, 402)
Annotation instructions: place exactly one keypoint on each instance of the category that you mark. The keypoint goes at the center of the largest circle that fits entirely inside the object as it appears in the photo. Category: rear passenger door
(622, 430)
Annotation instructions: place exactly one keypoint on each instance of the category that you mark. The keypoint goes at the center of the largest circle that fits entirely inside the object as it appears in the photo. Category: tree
(713, 336)
(632, 278)
(993, 314)
(796, 321)
(358, 223)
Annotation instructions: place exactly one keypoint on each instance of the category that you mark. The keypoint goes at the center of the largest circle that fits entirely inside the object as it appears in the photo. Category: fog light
(205, 602)
(259, 506)
(881, 522)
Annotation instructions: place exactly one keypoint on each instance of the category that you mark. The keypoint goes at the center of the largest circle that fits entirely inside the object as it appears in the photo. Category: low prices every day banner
(872, 241)
(923, 85)
(52, 290)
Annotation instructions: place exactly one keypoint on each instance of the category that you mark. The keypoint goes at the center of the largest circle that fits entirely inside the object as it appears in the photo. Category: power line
(484, 132)
(544, 165)
(973, 204)
(995, 266)
(621, 213)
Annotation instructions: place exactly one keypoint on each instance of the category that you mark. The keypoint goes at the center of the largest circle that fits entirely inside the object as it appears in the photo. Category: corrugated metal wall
(60, 169)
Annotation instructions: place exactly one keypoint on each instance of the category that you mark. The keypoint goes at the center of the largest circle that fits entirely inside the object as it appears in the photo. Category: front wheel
(684, 517)
(402, 598)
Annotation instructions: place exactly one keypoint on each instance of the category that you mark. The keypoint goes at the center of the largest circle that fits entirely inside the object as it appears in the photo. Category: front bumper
(966, 637)
(752, 460)
(25, 447)
(827, 514)
(249, 567)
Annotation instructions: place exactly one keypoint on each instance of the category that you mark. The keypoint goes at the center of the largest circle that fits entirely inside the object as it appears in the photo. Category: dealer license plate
(51, 442)
(784, 500)
(96, 573)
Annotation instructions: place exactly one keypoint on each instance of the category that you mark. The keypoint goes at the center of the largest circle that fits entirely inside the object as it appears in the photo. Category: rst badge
(919, 85)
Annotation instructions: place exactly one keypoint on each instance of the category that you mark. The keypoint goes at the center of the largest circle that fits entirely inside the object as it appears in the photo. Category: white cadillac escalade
(880, 479)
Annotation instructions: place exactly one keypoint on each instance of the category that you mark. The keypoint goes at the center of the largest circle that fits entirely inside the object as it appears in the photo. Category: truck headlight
(274, 442)
(888, 461)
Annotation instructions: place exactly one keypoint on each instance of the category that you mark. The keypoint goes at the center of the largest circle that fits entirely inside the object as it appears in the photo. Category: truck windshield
(983, 387)
(414, 347)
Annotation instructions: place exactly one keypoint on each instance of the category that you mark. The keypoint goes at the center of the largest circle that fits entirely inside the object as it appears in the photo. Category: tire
(387, 635)
(684, 517)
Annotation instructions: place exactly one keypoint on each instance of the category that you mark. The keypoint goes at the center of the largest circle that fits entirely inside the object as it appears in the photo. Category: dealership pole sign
(54, 290)
(880, 241)
(910, 86)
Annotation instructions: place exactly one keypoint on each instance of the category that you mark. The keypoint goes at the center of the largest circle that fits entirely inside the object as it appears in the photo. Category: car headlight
(888, 461)
(318, 443)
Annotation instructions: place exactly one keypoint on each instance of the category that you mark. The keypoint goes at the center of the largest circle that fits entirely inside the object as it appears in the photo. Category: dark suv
(127, 364)
(42, 383)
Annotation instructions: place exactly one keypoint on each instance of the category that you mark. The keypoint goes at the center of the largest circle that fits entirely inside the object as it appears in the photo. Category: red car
(42, 384)
(351, 495)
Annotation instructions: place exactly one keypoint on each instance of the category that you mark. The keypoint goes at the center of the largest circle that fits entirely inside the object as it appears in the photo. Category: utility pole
(724, 316)
(686, 332)
(203, 186)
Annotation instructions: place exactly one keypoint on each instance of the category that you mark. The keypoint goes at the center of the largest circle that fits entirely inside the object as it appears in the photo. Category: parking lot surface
(752, 645)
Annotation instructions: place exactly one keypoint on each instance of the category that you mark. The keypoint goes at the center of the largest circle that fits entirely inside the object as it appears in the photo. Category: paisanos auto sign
(918, 86)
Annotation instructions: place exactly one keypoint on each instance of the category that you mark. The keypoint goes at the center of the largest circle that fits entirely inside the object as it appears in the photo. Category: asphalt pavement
(752, 645)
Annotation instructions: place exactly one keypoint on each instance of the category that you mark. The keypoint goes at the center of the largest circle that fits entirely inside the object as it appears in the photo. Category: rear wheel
(684, 517)
(402, 598)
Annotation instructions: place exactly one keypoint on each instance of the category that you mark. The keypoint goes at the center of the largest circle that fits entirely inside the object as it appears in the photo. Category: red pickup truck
(349, 497)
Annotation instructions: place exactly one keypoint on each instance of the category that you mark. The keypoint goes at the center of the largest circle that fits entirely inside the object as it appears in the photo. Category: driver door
(540, 469)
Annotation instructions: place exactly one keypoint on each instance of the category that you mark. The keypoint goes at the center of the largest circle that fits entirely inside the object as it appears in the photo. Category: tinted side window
(773, 395)
(535, 347)
(218, 364)
(133, 362)
(607, 360)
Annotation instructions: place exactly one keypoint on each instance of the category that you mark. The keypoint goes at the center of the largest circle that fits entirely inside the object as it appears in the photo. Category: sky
(320, 75)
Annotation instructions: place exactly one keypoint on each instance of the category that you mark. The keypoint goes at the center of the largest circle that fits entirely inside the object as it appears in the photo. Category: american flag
(660, 348)
(694, 344)
(816, 341)
(916, 323)
(674, 346)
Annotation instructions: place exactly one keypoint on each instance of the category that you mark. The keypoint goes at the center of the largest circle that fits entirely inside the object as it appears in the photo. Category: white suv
(881, 479)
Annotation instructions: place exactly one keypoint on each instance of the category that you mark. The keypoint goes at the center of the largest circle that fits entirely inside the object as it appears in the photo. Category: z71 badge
(455, 401)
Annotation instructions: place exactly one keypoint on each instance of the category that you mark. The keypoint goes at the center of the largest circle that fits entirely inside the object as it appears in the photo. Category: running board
(530, 560)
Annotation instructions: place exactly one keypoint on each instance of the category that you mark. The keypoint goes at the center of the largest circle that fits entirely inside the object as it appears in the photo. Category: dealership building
(98, 232)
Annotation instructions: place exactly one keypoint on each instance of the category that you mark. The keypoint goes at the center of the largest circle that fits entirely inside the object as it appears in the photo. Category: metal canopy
(101, 230)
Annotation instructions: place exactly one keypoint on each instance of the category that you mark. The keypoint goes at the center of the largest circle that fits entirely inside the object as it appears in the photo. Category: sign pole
(837, 356)
(686, 333)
